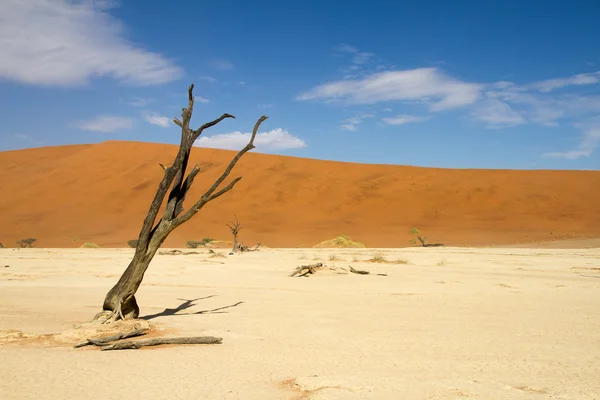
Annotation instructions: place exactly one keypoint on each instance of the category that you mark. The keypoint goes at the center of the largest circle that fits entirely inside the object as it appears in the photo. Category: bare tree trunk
(235, 229)
(120, 302)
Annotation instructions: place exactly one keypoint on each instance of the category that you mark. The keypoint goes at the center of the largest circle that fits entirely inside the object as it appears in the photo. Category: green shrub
(194, 244)
(26, 242)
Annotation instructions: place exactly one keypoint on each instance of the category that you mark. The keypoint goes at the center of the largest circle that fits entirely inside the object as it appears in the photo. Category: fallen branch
(304, 270)
(101, 341)
(176, 252)
(358, 271)
(136, 344)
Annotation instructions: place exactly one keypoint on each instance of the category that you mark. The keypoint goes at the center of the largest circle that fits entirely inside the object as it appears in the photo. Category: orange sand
(68, 195)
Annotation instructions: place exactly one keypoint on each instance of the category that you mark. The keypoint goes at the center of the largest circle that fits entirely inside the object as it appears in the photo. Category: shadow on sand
(188, 304)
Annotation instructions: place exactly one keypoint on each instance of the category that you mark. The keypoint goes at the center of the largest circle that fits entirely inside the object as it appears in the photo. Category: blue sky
(469, 84)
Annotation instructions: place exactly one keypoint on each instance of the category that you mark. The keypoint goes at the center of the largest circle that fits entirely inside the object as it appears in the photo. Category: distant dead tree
(238, 246)
(235, 227)
(422, 239)
(120, 302)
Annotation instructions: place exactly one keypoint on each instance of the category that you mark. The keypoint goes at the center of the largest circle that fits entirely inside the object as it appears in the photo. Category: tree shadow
(188, 304)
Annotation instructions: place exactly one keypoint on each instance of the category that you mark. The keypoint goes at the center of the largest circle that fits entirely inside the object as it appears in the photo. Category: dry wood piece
(101, 341)
(305, 270)
(177, 252)
(358, 271)
(136, 344)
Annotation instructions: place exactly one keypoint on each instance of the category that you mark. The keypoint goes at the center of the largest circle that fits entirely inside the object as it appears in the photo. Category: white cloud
(208, 79)
(276, 139)
(346, 48)
(404, 119)
(221, 64)
(156, 119)
(412, 84)
(350, 124)
(588, 144)
(497, 114)
(359, 57)
(68, 42)
(139, 102)
(106, 123)
(579, 79)
(200, 99)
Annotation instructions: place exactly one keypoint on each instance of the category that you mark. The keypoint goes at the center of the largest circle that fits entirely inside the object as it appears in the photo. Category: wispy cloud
(201, 99)
(106, 123)
(208, 79)
(579, 79)
(276, 139)
(507, 104)
(404, 119)
(497, 105)
(412, 84)
(351, 124)
(590, 139)
(219, 63)
(66, 43)
(26, 138)
(497, 114)
(358, 57)
(156, 119)
(139, 101)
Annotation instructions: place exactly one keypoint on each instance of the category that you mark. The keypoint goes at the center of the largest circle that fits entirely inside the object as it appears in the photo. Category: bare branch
(210, 195)
(225, 189)
(248, 147)
(198, 132)
(235, 226)
(185, 189)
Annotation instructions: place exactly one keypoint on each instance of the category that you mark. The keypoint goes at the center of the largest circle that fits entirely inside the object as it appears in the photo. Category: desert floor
(451, 323)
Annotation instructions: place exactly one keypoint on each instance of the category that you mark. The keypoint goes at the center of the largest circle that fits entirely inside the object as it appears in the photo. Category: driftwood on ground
(241, 248)
(358, 271)
(136, 344)
(113, 342)
(107, 339)
(305, 270)
(176, 252)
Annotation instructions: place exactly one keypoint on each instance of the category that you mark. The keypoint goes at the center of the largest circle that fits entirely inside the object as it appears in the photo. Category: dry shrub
(341, 241)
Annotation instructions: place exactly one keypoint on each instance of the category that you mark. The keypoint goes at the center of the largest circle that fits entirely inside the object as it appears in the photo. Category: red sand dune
(100, 193)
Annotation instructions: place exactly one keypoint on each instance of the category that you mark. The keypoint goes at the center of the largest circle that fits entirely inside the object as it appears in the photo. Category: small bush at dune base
(89, 245)
(341, 241)
(194, 244)
(26, 242)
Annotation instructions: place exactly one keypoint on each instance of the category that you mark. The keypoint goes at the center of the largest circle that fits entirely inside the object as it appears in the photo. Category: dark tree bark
(235, 229)
(120, 302)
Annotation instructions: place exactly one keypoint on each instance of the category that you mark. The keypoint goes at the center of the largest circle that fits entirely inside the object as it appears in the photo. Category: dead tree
(120, 302)
(235, 229)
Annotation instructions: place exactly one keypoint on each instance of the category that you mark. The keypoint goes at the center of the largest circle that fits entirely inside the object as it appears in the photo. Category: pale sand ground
(451, 324)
